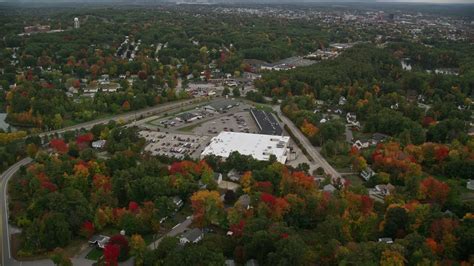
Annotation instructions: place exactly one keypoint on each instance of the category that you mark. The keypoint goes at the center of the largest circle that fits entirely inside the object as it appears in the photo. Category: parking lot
(238, 122)
(174, 145)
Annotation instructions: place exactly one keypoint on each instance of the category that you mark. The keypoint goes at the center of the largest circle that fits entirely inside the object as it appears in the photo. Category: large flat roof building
(258, 146)
(266, 122)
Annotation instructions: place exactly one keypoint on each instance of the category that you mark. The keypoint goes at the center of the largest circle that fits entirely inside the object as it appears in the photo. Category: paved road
(348, 134)
(318, 158)
(130, 115)
(6, 255)
(7, 259)
(178, 229)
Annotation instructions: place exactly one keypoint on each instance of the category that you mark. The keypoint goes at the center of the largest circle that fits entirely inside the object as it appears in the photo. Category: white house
(178, 202)
(367, 173)
(99, 144)
(99, 240)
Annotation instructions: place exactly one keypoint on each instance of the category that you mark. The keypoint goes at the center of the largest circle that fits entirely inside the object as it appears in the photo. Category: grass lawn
(94, 254)
(465, 194)
(340, 161)
(192, 127)
(70, 250)
(355, 180)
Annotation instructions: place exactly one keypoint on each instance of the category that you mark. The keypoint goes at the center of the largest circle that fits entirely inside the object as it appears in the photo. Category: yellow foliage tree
(246, 182)
(392, 258)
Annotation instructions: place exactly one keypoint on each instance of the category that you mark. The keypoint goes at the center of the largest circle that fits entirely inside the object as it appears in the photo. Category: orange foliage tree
(309, 129)
(433, 191)
(208, 208)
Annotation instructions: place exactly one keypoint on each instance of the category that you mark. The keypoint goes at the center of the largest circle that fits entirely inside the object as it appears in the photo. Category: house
(351, 118)
(229, 263)
(226, 185)
(361, 144)
(386, 240)
(218, 178)
(104, 79)
(252, 262)
(470, 184)
(367, 173)
(73, 90)
(110, 87)
(99, 240)
(329, 188)
(178, 202)
(251, 76)
(342, 100)
(91, 89)
(243, 202)
(233, 175)
(221, 106)
(192, 236)
(385, 190)
(379, 137)
(188, 117)
(99, 144)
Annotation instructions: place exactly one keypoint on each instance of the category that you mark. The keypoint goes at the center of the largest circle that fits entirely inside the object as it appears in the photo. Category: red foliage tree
(59, 145)
(49, 186)
(111, 254)
(441, 152)
(433, 191)
(428, 121)
(133, 207)
(122, 243)
(85, 138)
(87, 229)
(277, 206)
(268, 198)
(238, 229)
(264, 186)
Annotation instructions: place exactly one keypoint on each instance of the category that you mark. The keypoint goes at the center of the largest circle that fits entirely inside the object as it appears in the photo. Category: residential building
(367, 173)
(192, 236)
(178, 202)
(99, 240)
(99, 144)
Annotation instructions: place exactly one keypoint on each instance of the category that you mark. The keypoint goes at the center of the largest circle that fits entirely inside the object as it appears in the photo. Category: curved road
(7, 259)
(6, 255)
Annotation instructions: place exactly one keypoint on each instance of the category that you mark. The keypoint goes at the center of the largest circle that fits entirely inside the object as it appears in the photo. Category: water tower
(77, 24)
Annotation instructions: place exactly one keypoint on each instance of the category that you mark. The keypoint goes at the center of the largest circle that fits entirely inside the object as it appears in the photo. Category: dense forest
(73, 193)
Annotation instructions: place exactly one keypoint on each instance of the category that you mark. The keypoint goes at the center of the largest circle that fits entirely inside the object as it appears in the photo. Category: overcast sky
(266, 1)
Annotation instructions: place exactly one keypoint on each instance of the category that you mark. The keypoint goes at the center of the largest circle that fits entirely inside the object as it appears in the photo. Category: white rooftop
(258, 146)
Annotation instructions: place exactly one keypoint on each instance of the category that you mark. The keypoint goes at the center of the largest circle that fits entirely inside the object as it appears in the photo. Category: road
(129, 116)
(318, 158)
(178, 229)
(6, 255)
(7, 259)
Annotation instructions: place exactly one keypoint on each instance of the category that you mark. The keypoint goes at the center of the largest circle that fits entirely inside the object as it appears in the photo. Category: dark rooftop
(193, 234)
(266, 122)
